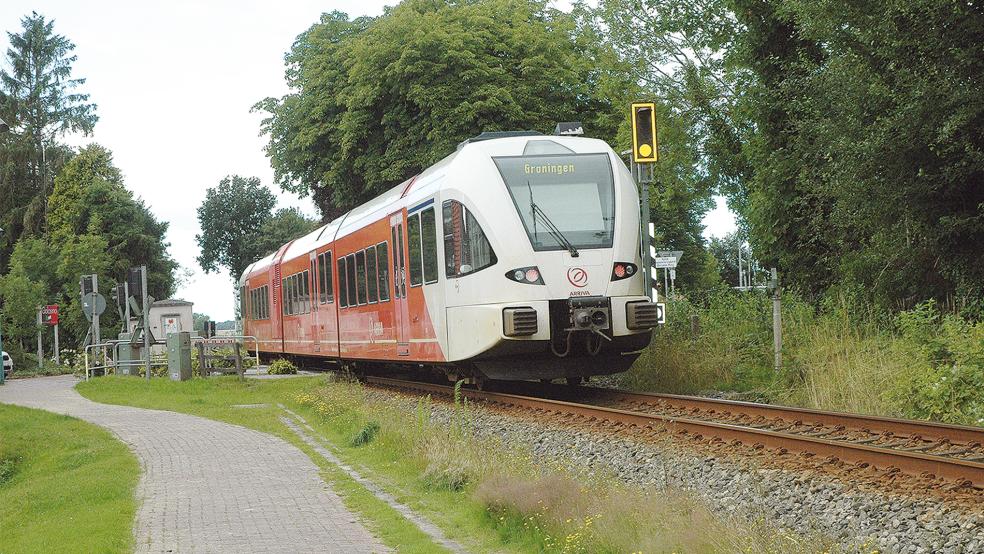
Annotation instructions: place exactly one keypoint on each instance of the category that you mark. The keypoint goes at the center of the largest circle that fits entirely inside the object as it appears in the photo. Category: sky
(174, 82)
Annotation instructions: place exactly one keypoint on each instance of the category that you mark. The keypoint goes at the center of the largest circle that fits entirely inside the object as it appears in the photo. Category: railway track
(921, 449)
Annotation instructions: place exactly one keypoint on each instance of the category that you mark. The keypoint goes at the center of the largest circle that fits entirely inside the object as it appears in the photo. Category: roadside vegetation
(839, 354)
(65, 485)
(490, 497)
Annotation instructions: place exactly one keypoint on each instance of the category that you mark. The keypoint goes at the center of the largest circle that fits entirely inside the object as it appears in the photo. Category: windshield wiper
(554, 231)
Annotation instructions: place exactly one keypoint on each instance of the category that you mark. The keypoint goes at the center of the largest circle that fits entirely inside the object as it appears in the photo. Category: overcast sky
(174, 82)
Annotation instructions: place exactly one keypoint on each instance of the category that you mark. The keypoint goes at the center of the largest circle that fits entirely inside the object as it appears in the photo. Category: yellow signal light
(644, 142)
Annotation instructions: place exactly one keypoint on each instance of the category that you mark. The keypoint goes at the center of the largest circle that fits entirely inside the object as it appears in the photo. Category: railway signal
(644, 141)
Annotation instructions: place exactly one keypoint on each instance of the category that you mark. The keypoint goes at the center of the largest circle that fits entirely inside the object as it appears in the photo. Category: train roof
(504, 144)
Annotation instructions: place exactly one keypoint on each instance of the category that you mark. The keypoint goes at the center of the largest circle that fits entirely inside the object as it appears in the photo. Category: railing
(231, 339)
(106, 362)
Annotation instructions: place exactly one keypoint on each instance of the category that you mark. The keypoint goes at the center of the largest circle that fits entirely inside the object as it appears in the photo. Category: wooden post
(238, 355)
(201, 360)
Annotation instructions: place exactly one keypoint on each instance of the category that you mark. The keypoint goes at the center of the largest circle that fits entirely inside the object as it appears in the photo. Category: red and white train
(516, 257)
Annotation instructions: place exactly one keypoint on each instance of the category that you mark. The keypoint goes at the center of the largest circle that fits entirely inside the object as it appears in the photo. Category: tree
(284, 225)
(231, 218)
(38, 95)
(377, 100)
(868, 145)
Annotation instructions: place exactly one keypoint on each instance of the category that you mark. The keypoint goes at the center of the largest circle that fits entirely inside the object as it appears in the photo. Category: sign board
(668, 254)
(49, 315)
(665, 263)
(661, 313)
(93, 304)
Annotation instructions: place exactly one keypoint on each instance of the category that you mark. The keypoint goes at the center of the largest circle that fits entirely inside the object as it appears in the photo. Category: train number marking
(578, 277)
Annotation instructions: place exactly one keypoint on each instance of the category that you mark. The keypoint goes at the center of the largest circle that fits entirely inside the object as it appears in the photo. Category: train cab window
(466, 248)
(324, 278)
(342, 289)
(360, 275)
(350, 277)
(413, 238)
(382, 255)
(372, 280)
(428, 232)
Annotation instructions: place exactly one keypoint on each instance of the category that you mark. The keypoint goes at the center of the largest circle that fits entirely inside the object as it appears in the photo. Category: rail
(912, 461)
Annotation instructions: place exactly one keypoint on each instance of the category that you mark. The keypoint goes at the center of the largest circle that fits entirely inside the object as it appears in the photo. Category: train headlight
(623, 270)
(526, 275)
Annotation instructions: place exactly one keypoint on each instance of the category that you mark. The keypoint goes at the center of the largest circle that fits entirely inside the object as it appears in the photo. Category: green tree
(21, 298)
(284, 225)
(231, 218)
(40, 96)
(377, 100)
(868, 145)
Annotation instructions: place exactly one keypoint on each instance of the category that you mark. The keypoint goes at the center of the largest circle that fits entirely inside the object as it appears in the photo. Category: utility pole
(96, 338)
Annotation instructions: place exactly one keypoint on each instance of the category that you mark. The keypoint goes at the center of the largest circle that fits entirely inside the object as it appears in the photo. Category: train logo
(578, 277)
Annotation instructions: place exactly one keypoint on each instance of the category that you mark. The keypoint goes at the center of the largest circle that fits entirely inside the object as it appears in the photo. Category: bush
(282, 367)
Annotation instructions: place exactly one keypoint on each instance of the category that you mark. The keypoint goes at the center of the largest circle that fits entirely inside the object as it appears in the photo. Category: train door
(401, 311)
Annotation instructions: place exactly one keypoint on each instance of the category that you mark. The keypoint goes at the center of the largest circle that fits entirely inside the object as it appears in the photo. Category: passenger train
(516, 257)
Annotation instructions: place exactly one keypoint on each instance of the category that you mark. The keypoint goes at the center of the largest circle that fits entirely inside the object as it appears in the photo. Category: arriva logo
(577, 276)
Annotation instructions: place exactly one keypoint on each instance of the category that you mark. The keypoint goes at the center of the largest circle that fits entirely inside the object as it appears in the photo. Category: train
(516, 257)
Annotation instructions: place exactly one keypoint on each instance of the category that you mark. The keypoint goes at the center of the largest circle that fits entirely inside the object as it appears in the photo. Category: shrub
(282, 367)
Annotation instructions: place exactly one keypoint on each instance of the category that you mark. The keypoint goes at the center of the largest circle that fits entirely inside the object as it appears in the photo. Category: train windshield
(562, 198)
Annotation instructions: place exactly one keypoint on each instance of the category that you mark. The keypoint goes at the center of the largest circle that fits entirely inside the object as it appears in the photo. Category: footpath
(208, 486)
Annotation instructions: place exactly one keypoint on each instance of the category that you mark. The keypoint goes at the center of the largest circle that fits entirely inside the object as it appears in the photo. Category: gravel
(807, 505)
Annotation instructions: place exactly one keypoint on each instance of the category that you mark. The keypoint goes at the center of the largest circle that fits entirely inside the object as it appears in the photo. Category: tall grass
(839, 355)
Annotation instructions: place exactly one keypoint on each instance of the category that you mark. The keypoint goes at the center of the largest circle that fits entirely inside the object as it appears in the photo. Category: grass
(65, 485)
(487, 496)
(923, 363)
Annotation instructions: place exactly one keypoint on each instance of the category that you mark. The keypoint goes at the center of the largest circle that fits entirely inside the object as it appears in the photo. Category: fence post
(238, 355)
(776, 320)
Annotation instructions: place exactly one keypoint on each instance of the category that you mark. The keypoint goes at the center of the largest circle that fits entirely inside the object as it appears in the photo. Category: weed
(366, 434)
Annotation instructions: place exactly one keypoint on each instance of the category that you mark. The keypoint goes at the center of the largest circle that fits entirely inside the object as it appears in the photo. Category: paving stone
(208, 486)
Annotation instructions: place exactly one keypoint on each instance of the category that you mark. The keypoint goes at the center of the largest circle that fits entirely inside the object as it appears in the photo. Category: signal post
(645, 153)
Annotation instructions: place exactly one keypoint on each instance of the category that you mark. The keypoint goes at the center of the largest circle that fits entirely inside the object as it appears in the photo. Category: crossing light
(644, 143)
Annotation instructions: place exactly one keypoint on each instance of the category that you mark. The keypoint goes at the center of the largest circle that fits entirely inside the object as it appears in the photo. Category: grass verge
(489, 497)
(65, 485)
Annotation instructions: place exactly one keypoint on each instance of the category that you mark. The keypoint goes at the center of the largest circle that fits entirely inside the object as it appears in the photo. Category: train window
(324, 278)
(372, 280)
(466, 248)
(291, 296)
(283, 296)
(314, 284)
(350, 277)
(342, 290)
(295, 307)
(398, 276)
(383, 256)
(265, 302)
(428, 227)
(360, 275)
(413, 237)
(306, 291)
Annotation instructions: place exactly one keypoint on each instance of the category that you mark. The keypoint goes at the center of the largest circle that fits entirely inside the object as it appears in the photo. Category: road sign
(49, 315)
(93, 303)
(668, 262)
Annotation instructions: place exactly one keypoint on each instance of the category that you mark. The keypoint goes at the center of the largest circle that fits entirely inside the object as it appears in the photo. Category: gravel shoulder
(807, 504)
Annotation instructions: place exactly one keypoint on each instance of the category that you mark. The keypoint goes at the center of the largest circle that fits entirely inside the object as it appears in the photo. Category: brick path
(208, 486)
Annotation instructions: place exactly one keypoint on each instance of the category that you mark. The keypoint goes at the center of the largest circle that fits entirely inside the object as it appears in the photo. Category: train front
(568, 288)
